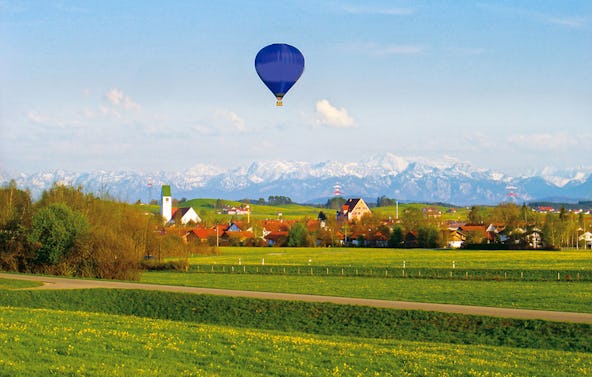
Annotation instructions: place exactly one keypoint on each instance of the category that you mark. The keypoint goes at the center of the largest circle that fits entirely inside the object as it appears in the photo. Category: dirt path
(50, 282)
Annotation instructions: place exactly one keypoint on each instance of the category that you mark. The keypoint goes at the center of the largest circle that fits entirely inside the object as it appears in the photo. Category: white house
(587, 238)
(187, 215)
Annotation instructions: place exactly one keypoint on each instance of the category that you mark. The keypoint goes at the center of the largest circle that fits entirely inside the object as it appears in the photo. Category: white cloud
(35, 117)
(118, 99)
(226, 116)
(328, 115)
(545, 142)
(570, 22)
(399, 50)
(391, 49)
(375, 10)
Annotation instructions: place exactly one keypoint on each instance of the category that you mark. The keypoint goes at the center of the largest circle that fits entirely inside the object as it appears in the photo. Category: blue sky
(166, 85)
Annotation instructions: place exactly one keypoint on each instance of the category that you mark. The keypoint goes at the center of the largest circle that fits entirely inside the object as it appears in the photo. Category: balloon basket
(279, 103)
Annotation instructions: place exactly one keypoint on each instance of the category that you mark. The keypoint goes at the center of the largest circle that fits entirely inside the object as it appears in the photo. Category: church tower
(166, 203)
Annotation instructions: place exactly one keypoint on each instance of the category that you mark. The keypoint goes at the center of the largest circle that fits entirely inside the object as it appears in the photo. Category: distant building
(185, 215)
(166, 203)
(168, 213)
(353, 209)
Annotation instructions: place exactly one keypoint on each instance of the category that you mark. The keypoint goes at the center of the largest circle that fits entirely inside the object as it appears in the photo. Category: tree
(476, 215)
(298, 236)
(335, 203)
(15, 222)
(396, 239)
(383, 201)
(55, 230)
(507, 214)
(412, 219)
(428, 237)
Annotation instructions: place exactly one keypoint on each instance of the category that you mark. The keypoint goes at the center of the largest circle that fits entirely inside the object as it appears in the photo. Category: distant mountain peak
(414, 179)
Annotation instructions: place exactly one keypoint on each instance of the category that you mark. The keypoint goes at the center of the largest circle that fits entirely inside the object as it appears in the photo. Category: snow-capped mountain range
(406, 179)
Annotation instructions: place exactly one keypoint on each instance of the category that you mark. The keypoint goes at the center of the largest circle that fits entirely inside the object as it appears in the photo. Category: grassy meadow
(66, 343)
(561, 296)
(17, 284)
(121, 333)
(544, 295)
(394, 258)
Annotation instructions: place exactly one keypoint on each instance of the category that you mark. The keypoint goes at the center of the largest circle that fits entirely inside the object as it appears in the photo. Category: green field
(124, 332)
(561, 296)
(121, 333)
(413, 258)
(66, 343)
(17, 284)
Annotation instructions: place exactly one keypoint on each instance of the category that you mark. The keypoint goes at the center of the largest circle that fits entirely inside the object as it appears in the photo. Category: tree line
(68, 232)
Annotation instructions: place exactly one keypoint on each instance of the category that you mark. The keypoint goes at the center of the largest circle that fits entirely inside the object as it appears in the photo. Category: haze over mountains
(405, 179)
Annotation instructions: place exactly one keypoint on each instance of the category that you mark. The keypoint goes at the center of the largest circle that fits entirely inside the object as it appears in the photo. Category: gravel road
(50, 282)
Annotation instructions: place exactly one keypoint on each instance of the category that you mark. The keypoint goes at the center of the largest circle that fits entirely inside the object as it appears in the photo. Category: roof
(351, 203)
(166, 190)
(204, 233)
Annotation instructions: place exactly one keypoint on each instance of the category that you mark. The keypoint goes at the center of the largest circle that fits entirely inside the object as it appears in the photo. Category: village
(355, 225)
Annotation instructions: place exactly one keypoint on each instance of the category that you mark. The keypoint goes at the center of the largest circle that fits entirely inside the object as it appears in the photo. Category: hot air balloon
(279, 66)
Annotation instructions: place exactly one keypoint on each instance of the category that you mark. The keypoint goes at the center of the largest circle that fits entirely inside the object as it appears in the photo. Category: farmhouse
(353, 210)
(454, 237)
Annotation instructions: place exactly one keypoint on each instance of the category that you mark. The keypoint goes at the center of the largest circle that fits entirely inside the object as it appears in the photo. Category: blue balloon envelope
(279, 66)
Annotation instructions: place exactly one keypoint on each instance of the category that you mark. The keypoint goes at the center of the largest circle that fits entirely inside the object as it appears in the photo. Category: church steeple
(166, 203)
